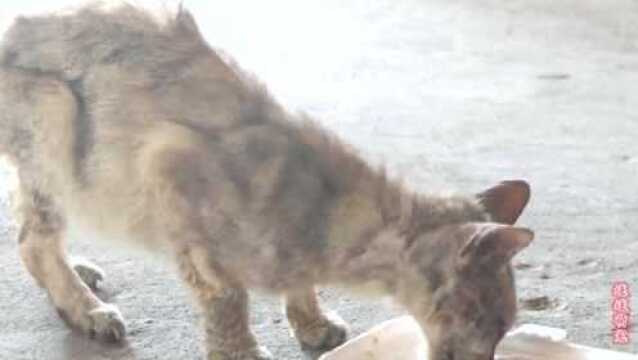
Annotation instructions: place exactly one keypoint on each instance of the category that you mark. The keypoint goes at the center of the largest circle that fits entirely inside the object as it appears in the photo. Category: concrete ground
(451, 95)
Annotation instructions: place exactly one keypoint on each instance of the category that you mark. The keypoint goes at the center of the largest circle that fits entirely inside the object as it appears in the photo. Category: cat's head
(458, 281)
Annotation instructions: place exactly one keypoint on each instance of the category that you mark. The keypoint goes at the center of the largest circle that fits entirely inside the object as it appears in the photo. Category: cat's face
(459, 283)
(465, 273)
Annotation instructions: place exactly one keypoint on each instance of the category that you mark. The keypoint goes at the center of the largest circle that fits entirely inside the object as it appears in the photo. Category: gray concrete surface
(451, 95)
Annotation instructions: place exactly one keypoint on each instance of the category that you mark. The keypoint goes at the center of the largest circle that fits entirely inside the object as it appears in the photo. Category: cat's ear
(505, 202)
(495, 244)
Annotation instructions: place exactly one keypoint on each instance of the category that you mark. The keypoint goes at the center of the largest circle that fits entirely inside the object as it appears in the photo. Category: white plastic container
(401, 338)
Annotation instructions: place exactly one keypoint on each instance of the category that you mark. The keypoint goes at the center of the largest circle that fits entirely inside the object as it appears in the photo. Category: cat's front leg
(224, 307)
(314, 329)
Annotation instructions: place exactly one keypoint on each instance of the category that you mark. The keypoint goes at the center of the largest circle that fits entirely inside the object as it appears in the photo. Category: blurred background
(452, 95)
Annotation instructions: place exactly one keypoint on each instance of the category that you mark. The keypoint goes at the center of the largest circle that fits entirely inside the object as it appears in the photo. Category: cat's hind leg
(42, 251)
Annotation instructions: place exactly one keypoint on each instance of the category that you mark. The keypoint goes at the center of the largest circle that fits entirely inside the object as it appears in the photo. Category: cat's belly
(250, 250)
(113, 219)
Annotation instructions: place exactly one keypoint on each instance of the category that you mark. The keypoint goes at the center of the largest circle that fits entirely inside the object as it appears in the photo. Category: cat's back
(156, 108)
(70, 44)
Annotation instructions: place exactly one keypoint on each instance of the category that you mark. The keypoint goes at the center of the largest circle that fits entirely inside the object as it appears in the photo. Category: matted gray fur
(133, 128)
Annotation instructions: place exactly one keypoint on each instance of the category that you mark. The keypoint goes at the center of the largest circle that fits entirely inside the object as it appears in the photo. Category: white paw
(106, 323)
(90, 273)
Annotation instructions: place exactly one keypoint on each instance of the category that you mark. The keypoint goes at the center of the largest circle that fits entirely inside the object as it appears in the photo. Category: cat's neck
(372, 220)
(371, 227)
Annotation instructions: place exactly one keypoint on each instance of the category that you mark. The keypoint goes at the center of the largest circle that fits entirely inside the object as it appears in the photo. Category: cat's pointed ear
(505, 202)
(495, 244)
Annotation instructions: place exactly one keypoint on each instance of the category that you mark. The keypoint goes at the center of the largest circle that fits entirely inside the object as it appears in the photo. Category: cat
(131, 126)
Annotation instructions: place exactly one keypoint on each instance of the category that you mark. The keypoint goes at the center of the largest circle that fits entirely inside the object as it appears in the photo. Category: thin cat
(132, 127)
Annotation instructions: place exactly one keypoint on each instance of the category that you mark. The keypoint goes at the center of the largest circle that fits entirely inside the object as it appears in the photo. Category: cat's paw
(323, 335)
(90, 273)
(104, 322)
(258, 353)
